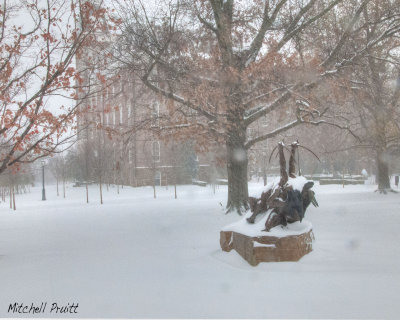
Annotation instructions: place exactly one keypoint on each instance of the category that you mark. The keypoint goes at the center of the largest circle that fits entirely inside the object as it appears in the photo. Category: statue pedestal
(280, 244)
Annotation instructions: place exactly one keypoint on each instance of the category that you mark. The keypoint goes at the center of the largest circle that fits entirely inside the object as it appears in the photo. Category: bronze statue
(286, 204)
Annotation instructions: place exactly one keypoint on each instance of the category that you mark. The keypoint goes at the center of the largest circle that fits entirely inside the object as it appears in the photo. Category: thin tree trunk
(63, 178)
(101, 192)
(13, 199)
(264, 171)
(292, 160)
(57, 186)
(175, 180)
(87, 193)
(154, 180)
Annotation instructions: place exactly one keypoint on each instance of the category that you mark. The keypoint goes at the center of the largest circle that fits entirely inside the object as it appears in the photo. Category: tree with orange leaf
(38, 77)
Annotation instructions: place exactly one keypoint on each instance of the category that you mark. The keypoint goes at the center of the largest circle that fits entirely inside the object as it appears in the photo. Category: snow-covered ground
(139, 257)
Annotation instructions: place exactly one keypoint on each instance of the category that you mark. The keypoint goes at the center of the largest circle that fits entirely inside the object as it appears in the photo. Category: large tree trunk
(382, 172)
(237, 173)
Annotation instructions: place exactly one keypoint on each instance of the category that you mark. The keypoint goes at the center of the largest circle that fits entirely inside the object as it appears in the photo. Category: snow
(303, 102)
(256, 229)
(139, 257)
(239, 154)
(297, 184)
(257, 244)
(256, 192)
(329, 72)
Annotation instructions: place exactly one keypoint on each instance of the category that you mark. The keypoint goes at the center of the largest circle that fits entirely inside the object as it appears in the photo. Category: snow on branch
(345, 35)
(301, 119)
(250, 55)
(267, 108)
(347, 128)
(293, 30)
(274, 133)
(261, 96)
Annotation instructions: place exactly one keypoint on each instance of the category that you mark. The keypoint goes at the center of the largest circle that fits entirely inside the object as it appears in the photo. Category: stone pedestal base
(267, 248)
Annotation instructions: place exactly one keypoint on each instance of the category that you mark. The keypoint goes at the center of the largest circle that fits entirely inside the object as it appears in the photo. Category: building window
(155, 115)
(132, 112)
(192, 113)
(129, 155)
(250, 133)
(155, 151)
(265, 121)
(157, 178)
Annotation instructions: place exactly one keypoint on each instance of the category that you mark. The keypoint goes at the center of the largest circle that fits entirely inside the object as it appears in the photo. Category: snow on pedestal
(281, 243)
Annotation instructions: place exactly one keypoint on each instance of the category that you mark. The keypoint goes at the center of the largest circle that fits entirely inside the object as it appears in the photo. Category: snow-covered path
(136, 257)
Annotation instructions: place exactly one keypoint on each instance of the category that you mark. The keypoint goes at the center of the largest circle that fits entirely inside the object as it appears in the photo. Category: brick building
(121, 141)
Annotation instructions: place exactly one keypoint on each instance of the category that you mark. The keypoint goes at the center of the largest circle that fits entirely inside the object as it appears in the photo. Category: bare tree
(374, 86)
(57, 168)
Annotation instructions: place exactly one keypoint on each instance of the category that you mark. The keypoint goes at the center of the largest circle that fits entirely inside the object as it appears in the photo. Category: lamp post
(43, 190)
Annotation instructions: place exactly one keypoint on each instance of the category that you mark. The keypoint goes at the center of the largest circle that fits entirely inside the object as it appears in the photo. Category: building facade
(121, 139)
